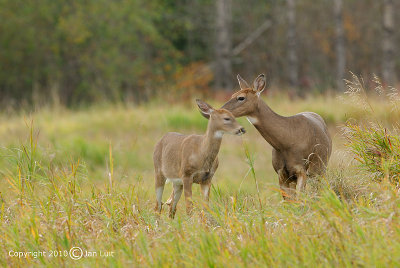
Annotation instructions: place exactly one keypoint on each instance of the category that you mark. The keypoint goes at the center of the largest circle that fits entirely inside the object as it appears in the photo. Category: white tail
(301, 143)
(188, 159)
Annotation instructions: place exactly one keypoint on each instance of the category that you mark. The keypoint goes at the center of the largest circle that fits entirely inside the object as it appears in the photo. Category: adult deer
(301, 143)
(188, 159)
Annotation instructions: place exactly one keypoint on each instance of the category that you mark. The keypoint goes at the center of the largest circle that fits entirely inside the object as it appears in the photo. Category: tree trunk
(223, 47)
(292, 44)
(388, 43)
(339, 44)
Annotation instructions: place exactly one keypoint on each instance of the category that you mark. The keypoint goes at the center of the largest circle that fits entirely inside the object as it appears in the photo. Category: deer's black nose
(243, 130)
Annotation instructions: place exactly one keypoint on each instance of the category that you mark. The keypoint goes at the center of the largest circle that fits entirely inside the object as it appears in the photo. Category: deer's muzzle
(241, 131)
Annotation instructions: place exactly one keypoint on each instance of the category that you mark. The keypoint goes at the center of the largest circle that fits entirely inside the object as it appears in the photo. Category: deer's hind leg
(301, 181)
(205, 190)
(159, 186)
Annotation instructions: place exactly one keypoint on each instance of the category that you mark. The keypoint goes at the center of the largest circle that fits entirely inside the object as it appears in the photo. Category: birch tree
(292, 44)
(388, 43)
(339, 44)
(223, 45)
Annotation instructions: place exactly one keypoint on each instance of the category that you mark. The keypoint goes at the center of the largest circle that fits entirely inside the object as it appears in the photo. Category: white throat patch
(218, 134)
(252, 120)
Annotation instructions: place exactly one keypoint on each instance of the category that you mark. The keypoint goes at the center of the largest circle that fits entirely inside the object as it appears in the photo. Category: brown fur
(301, 143)
(191, 158)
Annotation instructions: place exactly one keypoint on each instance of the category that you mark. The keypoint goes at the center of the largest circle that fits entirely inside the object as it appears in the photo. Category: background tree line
(86, 50)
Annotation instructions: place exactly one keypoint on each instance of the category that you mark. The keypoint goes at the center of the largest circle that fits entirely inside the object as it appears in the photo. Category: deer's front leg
(205, 191)
(175, 198)
(284, 185)
(187, 189)
(171, 198)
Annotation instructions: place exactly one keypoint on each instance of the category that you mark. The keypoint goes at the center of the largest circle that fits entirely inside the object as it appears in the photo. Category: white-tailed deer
(301, 143)
(187, 159)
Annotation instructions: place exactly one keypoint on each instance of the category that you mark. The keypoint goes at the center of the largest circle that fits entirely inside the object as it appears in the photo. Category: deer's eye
(241, 98)
(227, 119)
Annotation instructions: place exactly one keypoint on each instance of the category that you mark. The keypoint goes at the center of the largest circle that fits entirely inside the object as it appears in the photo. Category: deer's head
(221, 120)
(244, 102)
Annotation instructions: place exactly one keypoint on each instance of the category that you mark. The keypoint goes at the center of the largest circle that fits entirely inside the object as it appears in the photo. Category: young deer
(301, 143)
(187, 159)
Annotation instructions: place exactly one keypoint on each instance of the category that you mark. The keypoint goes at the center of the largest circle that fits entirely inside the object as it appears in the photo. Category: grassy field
(85, 179)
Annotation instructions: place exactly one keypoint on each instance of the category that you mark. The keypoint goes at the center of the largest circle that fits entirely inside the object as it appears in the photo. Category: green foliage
(86, 51)
(93, 152)
(181, 120)
(81, 51)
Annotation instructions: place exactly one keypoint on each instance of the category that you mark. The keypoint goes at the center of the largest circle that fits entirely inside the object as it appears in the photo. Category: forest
(82, 52)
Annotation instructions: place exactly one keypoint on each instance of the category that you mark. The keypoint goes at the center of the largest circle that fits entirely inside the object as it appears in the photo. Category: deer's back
(316, 131)
(316, 120)
(168, 153)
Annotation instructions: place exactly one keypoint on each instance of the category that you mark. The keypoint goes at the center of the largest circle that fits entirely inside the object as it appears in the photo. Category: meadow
(84, 179)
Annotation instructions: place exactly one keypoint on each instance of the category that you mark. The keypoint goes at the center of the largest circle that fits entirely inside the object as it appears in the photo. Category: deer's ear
(242, 83)
(205, 109)
(259, 84)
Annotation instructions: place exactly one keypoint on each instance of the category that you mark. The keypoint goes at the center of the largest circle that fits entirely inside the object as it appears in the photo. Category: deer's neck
(272, 126)
(210, 145)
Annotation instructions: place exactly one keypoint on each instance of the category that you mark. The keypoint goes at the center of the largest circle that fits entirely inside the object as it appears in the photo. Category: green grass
(85, 179)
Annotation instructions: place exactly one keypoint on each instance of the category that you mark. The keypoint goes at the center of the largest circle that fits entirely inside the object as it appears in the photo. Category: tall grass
(53, 198)
(374, 146)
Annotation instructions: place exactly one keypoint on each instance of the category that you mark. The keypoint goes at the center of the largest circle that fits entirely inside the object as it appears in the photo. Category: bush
(375, 147)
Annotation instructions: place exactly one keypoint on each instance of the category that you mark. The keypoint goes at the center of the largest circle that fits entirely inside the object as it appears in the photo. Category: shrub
(375, 147)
